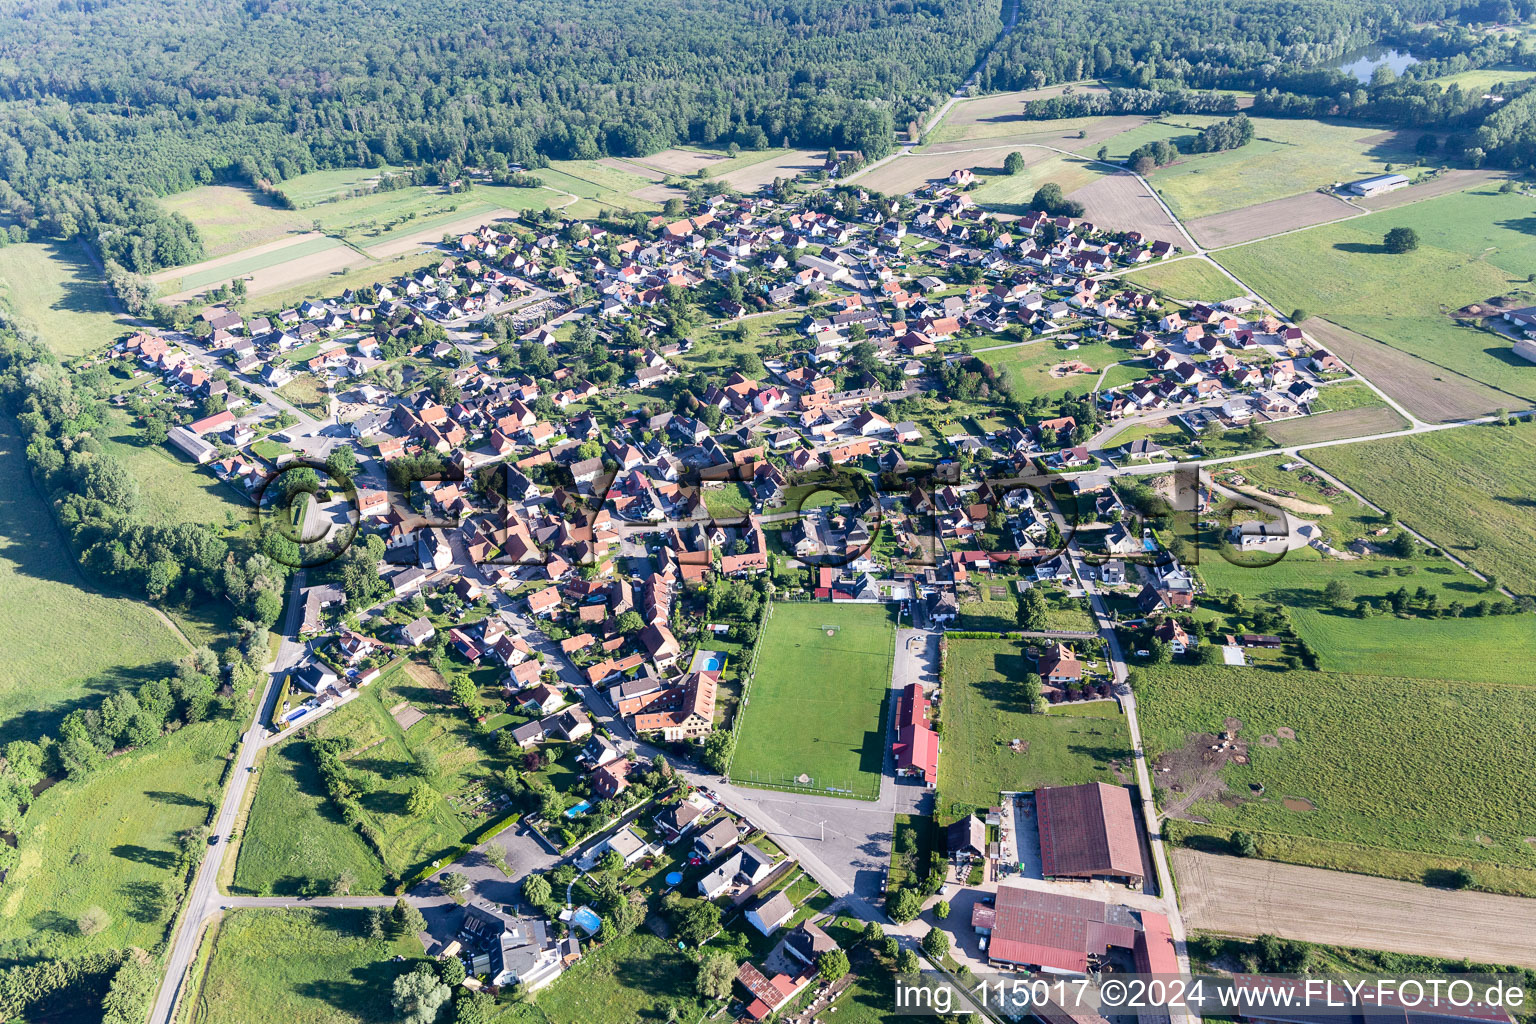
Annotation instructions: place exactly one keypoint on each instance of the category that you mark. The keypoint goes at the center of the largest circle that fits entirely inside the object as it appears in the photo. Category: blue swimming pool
(711, 664)
(587, 920)
(575, 809)
(1148, 544)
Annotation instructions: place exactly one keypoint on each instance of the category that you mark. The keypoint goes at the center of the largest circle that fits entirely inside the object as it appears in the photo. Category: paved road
(204, 895)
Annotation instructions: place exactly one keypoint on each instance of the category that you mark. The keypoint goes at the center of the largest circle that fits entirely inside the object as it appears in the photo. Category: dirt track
(1426, 390)
(1269, 218)
(1238, 896)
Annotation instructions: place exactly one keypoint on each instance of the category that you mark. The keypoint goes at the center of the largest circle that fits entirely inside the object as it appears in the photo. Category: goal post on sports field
(829, 628)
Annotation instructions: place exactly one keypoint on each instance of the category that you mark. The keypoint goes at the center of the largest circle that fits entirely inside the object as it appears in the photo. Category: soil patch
(1298, 804)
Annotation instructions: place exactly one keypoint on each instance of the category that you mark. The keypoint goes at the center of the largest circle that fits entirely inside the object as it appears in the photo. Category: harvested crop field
(752, 177)
(1237, 896)
(630, 167)
(1001, 114)
(431, 235)
(1062, 133)
(672, 161)
(1331, 426)
(1430, 392)
(1123, 202)
(1271, 218)
(658, 193)
(909, 172)
(1444, 185)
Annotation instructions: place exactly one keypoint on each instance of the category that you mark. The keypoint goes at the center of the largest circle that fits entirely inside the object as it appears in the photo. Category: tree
(93, 921)
(904, 906)
(941, 910)
(418, 996)
(1462, 878)
(630, 622)
(1031, 611)
(907, 962)
(1242, 844)
(474, 1008)
(1298, 315)
(1158, 651)
(716, 972)
(453, 884)
(451, 970)
(873, 933)
(420, 800)
(1208, 654)
(1401, 240)
(936, 944)
(536, 890)
(699, 922)
(1013, 163)
(832, 964)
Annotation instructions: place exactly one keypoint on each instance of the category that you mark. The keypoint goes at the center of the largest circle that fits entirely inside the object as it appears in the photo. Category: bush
(1242, 844)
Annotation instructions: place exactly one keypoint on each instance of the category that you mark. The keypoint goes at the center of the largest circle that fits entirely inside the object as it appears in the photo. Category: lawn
(106, 840)
(1073, 743)
(65, 643)
(817, 705)
(636, 978)
(309, 965)
(308, 394)
(1029, 366)
(1430, 767)
(54, 287)
(1472, 246)
(1467, 489)
(1189, 280)
(1287, 156)
(984, 613)
(171, 488)
(298, 835)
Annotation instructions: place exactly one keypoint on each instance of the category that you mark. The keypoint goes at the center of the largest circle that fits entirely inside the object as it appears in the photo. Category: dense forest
(105, 103)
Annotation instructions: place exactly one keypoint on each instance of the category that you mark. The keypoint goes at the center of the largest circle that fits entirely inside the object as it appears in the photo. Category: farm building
(1088, 831)
(1070, 935)
(1375, 186)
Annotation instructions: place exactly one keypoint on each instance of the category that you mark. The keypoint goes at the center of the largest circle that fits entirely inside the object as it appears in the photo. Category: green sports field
(1029, 365)
(816, 706)
(1472, 246)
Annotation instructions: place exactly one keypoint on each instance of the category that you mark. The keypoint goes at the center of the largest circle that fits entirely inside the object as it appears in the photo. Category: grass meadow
(817, 704)
(54, 287)
(1478, 650)
(1468, 490)
(1012, 193)
(1188, 280)
(1472, 246)
(108, 839)
(1286, 157)
(171, 488)
(1029, 365)
(298, 964)
(1072, 743)
(64, 643)
(636, 978)
(1438, 768)
(293, 833)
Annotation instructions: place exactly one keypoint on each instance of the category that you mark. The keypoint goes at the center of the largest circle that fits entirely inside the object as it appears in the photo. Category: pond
(1362, 63)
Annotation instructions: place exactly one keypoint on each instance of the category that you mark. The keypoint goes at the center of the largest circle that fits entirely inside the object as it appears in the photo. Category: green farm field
(1472, 246)
(817, 705)
(106, 840)
(298, 964)
(251, 264)
(64, 643)
(1072, 743)
(1012, 193)
(1481, 80)
(1286, 157)
(1189, 280)
(1467, 490)
(1478, 650)
(1436, 768)
(54, 287)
